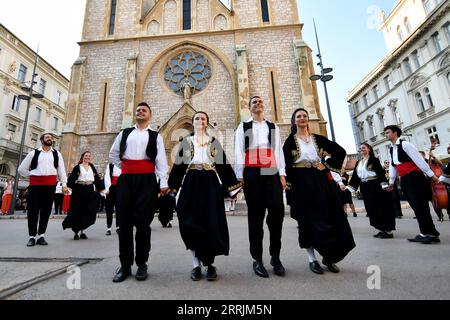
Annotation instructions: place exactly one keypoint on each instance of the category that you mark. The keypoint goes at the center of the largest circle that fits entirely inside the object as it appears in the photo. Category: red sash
(260, 158)
(114, 180)
(407, 167)
(137, 167)
(42, 181)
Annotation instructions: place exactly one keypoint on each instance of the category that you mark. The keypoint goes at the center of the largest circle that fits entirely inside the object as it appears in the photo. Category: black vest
(248, 135)
(34, 162)
(151, 150)
(111, 169)
(401, 154)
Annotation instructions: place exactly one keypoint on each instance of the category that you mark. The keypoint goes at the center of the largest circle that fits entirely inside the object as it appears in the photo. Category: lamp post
(28, 98)
(324, 77)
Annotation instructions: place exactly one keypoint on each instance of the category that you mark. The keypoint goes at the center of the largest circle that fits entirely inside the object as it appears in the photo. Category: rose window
(188, 67)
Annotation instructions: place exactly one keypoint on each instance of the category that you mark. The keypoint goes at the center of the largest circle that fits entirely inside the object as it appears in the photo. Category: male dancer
(140, 153)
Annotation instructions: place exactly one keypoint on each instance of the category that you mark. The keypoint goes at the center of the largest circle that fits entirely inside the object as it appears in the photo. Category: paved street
(408, 271)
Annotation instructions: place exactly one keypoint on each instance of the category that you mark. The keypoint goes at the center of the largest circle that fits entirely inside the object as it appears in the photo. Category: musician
(436, 164)
(407, 162)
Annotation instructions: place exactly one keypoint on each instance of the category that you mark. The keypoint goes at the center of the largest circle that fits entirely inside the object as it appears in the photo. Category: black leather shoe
(378, 235)
(122, 274)
(278, 268)
(259, 269)
(196, 274)
(418, 238)
(315, 267)
(31, 242)
(211, 273)
(108, 232)
(331, 266)
(76, 237)
(385, 235)
(41, 241)
(83, 236)
(430, 239)
(141, 273)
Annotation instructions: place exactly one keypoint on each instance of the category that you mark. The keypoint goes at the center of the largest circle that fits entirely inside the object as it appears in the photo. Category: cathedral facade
(182, 56)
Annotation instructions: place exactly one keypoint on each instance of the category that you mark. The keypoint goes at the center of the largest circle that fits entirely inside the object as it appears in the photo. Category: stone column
(70, 136)
(243, 85)
(130, 91)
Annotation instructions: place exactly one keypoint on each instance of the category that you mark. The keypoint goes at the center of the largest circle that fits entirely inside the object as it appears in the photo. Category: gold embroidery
(232, 188)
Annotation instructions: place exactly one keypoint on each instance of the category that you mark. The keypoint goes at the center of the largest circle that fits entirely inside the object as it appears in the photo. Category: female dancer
(83, 203)
(205, 177)
(322, 222)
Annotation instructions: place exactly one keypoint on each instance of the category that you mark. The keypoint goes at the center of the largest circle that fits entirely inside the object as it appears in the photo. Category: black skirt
(201, 215)
(83, 208)
(379, 205)
(323, 224)
(346, 197)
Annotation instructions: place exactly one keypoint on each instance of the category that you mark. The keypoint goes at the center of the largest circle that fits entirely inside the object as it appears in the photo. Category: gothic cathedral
(180, 56)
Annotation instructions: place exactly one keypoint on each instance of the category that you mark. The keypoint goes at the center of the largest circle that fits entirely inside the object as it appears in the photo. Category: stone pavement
(407, 270)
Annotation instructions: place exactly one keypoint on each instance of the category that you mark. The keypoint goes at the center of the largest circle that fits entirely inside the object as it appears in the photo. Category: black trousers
(40, 201)
(263, 190)
(136, 200)
(110, 206)
(415, 187)
(58, 202)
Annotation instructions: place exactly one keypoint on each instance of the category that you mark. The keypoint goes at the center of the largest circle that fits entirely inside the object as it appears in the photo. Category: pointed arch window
(187, 22)
(112, 17)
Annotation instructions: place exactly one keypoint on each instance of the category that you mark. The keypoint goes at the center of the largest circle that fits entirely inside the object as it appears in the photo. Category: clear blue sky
(350, 44)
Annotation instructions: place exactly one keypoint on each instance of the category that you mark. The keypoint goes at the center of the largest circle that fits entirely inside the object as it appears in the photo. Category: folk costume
(84, 201)
(260, 163)
(368, 175)
(141, 156)
(407, 163)
(315, 204)
(44, 168)
(202, 177)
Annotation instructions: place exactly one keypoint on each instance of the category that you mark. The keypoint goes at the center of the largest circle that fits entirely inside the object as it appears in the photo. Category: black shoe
(259, 269)
(331, 266)
(385, 235)
(141, 273)
(315, 267)
(108, 232)
(31, 242)
(117, 230)
(278, 268)
(122, 274)
(83, 236)
(211, 273)
(76, 237)
(41, 241)
(196, 274)
(355, 215)
(425, 239)
(378, 235)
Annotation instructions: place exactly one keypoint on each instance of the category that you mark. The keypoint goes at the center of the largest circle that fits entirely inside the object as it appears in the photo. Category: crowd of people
(202, 185)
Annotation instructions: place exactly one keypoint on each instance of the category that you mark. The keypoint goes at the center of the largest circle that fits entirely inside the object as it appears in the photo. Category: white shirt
(200, 154)
(116, 173)
(260, 141)
(86, 175)
(45, 167)
(136, 150)
(415, 156)
(362, 171)
(308, 151)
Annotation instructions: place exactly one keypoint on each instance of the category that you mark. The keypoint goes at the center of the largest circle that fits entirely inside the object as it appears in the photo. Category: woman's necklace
(306, 139)
(199, 142)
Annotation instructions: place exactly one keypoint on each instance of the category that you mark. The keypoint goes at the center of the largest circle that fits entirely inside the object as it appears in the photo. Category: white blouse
(307, 151)
(363, 172)
(86, 175)
(200, 154)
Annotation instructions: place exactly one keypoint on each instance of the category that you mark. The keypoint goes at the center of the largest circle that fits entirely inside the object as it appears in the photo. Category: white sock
(311, 255)
(195, 261)
(33, 238)
(40, 236)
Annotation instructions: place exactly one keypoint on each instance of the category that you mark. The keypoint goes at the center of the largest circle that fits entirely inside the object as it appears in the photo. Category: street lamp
(324, 77)
(28, 98)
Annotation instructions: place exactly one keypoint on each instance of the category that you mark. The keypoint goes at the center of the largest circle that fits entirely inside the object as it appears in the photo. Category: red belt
(260, 158)
(114, 180)
(43, 181)
(137, 166)
(407, 167)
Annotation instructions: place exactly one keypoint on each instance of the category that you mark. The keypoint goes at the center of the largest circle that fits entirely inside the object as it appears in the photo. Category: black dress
(83, 202)
(378, 202)
(200, 206)
(322, 222)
